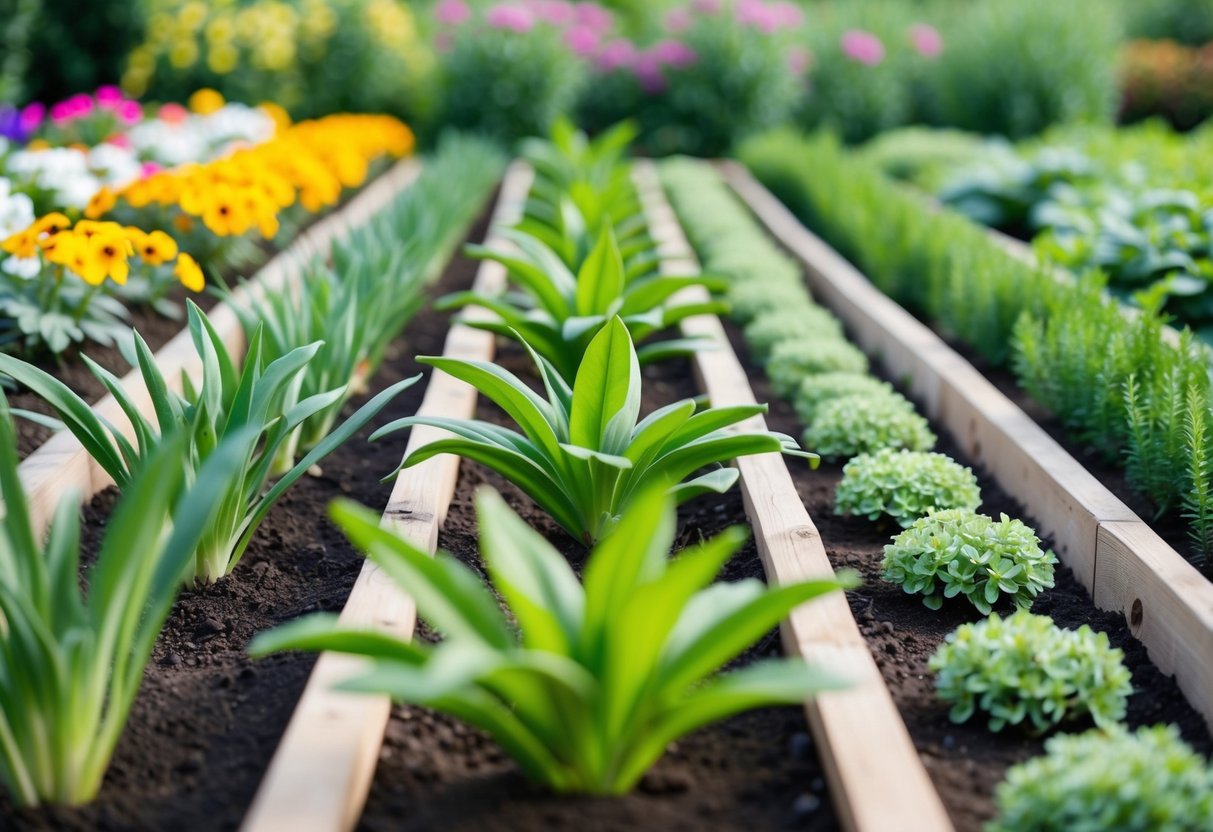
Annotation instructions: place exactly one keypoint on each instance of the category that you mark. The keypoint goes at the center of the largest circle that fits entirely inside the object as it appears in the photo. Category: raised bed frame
(1124, 564)
(322, 771)
(61, 464)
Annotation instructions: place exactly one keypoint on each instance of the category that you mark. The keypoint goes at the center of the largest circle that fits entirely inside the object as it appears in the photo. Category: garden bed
(207, 718)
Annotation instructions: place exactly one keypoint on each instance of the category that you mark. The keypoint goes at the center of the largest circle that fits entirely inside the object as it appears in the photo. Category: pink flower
(647, 69)
(61, 113)
(799, 60)
(678, 20)
(556, 12)
(80, 104)
(109, 94)
(594, 17)
(757, 14)
(32, 116)
(582, 40)
(789, 15)
(674, 53)
(514, 18)
(706, 6)
(616, 54)
(451, 12)
(119, 140)
(150, 169)
(926, 40)
(863, 47)
(130, 112)
(173, 113)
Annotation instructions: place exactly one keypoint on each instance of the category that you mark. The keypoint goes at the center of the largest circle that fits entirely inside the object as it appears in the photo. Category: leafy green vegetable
(791, 361)
(583, 453)
(1024, 668)
(258, 408)
(71, 660)
(594, 682)
(957, 552)
(816, 390)
(851, 425)
(904, 485)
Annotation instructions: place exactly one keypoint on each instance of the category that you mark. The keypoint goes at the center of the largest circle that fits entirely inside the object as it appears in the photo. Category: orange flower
(189, 273)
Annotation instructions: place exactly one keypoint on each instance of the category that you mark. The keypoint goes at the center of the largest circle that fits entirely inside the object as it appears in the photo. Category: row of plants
(1136, 399)
(74, 273)
(582, 675)
(1019, 670)
(196, 481)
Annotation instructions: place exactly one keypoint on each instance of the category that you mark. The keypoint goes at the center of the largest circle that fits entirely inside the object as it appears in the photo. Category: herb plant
(958, 552)
(583, 453)
(71, 660)
(584, 686)
(258, 408)
(770, 329)
(1148, 780)
(791, 361)
(816, 390)
(904, 485)
(851, 425)
(1025, 669)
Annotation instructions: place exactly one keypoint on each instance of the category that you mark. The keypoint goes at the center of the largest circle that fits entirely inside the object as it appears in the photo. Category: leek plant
(258, 408)
(583, 453)
(71, 660)
(584, 686)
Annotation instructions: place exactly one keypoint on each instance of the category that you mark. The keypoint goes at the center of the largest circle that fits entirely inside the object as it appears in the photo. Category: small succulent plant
(1145, 781)
(854, 425)
(904, 485)
(815, 390)
(750, 298)
(772, 328)
(1025, 669)
(959, 552)
(791, 361)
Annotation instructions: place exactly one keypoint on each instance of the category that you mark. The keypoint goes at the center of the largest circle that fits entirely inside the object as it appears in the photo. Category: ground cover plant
(595, 677)
(905, 485)
(255, 409)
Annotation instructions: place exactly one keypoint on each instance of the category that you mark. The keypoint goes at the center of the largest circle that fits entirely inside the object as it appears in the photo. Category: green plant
(766, 331)
(851, 425)
(583, 686)
(1198, 501)
(1149, 780)
(957, 552)
(563, 311)
(816, 390)
(72, 658)
(582, 454)
(255, 410)
(791, 361)
(904, 485)
(1025, 669)
(748, 299)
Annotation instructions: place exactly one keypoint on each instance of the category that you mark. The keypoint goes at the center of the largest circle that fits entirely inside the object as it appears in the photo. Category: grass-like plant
(905, 485)
(584, 686)
(583, 453)
(71, 660)
(259, 407)
(1143, 781)
(1025, 670)
(560, 310)
(958, 552)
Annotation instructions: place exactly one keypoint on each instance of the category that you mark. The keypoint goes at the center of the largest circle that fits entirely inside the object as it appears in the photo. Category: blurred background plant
(1167, 79)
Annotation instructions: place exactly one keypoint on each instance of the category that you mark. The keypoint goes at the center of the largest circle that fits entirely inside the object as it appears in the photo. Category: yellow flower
(22, 244)
(89, 228)
(189, 273)
(225, 213)
(101, 203)
(52, 223)
(205, 101)
(279, 115)
(155, 248)
(108, 252)
(57, 248)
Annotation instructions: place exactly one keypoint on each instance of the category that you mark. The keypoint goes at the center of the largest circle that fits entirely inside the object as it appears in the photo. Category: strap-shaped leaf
(600, 280)
(713, 482)
(320, 632)
(606, 392)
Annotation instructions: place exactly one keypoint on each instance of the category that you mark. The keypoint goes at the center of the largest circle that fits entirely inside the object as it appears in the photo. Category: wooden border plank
(1125, 566)
(61, 464)
(322, 770)
(877, 779)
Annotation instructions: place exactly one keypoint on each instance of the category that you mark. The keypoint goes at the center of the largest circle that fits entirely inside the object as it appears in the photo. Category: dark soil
(758, 770)
(965, 761)
(208, 719)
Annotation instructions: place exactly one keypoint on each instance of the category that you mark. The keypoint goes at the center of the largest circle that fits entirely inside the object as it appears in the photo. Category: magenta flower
(615, 55)
(149, 169)
(863, 47)
(514, 18)
(130, 112)
(32, 116)
(582, 41)
(647, 69)
(673, 53)
(678, 20)
(61, 113)
(451, 12)
(799, 60)
(926, 40)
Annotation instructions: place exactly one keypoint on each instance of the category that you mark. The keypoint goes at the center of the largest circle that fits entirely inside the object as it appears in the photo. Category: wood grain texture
(1125, 565)
(321, 773)
(62, 466)
(877, 780)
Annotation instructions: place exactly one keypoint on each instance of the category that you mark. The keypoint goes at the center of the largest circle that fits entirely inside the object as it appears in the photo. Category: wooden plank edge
(877, 779)
(61, 465)
(1124, 564)
(322, 770)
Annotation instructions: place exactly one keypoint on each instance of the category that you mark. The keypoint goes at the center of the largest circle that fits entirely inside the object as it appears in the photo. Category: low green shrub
(1025, 669)
(791, 361)
(768, 330)
(905, 485)
(853, 425)
(817, 389)
(748, 299)
(959, 552)
(1146, 781)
